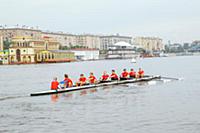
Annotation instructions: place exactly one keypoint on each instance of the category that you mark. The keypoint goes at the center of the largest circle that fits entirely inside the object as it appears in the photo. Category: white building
(86, 54)
(107, 41)
(121, 50)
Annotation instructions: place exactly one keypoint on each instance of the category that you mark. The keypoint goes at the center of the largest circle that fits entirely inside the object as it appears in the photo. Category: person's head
(91, 73)
(81, 75)
(124, 70)
(104, 72)
(66, 76)
(132, 69)
(55, 78)
(113, 71)
(140, 69)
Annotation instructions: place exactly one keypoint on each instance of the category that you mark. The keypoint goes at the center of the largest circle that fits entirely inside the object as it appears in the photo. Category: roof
(116, 36)
(123, 44)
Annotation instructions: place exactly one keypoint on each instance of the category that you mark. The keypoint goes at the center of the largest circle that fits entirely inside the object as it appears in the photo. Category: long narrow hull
(94, 86)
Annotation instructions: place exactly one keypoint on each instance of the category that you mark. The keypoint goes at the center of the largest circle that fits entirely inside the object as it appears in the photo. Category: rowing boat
(146, 78)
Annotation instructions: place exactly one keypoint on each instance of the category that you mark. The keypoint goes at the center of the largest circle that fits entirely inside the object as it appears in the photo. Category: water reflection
(70, 95)
(54, 97)
(107, 89)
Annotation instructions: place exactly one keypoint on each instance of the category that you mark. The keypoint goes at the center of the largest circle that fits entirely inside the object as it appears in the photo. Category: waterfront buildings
(68, 40)
(149, 43)
(23, 48)
(121, 50)
(88, 41)
(53, 56)
(9, 33)
(107, 41)
(65, 40)
(86, 54)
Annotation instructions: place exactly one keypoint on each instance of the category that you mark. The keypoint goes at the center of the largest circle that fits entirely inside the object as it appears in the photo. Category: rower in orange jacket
(92, 78)
(82, 80)
(114, 76)
(132, 73)
(140, 73)
(124, 75)
(105, 76)
(68, 81)
(54, 84)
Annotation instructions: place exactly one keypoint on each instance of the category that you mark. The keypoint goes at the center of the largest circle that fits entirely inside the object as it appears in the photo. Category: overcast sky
(175, 20)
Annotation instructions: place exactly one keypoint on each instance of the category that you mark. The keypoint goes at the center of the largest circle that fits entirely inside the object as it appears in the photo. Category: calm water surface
(153, 107)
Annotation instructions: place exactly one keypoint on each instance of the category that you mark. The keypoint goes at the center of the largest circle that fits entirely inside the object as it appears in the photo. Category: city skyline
(165, 19)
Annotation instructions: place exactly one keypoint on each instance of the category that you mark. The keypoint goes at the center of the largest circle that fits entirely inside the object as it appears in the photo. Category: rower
(82, 80)
(54, 84)
(104, 77)
(124, 75)
(67, 81)
(140, 73)
(114, 76)
(92, 78)
(132, 73)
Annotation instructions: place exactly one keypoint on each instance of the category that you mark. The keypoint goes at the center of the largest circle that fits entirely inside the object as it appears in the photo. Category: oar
(172, 78)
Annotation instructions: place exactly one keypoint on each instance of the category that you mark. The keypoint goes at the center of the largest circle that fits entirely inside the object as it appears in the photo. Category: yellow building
(55, 56)
(4, 54)
(149, 43)
(1, 43)
(24, 48)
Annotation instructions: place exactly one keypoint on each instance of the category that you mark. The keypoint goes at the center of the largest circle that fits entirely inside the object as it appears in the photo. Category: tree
(6, 44)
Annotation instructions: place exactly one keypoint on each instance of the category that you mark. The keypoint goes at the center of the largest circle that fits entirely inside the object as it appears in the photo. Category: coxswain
(124, 75)
(113, 76)
(54, 84)
(92, 78)
(105, 76)
(67, 81)
(140, 73)
(82, 80)
(132, 73)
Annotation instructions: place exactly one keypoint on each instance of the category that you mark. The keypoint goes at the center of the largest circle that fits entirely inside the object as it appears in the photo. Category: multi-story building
(107, 41)
(23, 49)
(88, 41)
(149, 43)
(9, 33)
(68, 40)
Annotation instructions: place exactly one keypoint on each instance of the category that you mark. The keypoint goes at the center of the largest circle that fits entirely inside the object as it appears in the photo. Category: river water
(153, 107)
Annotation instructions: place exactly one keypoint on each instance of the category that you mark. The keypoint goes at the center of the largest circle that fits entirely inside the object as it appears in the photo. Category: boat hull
(49, 92)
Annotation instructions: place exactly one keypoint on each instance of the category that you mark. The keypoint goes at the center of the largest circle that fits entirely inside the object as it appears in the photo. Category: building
(68, 40)
(23, 48)
(149, 43)
(86, 54)
(53, 56)
(1, 43)
(4, 57)
(121, 50)
(9, 33)
(88, 41)
(107, 41)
